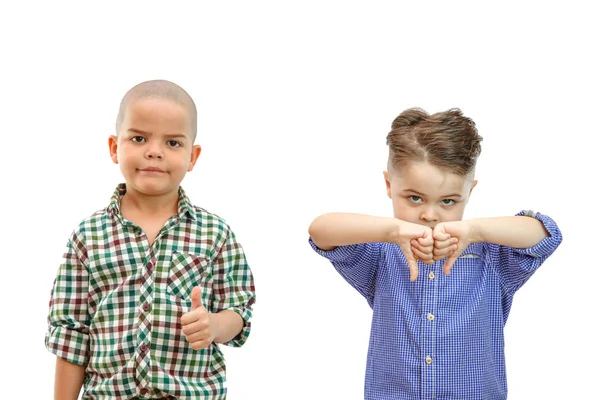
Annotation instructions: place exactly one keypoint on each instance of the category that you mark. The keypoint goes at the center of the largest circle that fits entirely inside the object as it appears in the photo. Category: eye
(174, 143)
(415, 199)
(138, 139)
(448, 202)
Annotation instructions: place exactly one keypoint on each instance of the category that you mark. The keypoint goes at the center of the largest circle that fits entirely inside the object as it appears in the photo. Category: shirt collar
(185, 209)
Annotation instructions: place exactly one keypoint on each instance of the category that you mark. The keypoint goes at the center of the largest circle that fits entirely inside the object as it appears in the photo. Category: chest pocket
(473, 251)
(470, 255)
(187, 271)
(470, 264)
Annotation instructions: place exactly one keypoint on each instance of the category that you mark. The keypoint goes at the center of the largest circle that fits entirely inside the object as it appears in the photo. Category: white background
(295, 100)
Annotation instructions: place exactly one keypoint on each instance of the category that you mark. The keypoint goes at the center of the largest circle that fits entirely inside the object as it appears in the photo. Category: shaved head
(159, 89)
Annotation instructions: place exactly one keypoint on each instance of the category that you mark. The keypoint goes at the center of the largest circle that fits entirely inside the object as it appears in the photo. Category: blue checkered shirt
(440, 337)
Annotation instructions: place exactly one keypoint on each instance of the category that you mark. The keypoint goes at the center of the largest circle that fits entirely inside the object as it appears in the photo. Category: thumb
(413, 267)
(449, 263)
(196, 297)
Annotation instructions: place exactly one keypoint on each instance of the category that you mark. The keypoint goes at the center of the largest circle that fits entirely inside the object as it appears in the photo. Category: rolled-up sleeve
(233, 286)
(516, 266)
(68, 319)
(357, 263)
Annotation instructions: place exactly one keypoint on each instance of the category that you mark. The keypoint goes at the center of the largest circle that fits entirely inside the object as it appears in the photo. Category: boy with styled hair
(441, 288)
(150, 285)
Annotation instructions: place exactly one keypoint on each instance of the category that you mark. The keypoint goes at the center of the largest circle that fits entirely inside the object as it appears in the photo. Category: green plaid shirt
(116, 303)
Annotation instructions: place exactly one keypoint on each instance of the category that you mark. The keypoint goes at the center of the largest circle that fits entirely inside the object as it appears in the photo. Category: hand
(197, 324)
(416, 242)
(450, 240)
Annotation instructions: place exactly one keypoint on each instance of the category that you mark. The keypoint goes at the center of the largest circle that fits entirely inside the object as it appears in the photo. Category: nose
(428, 214)
(154, 151)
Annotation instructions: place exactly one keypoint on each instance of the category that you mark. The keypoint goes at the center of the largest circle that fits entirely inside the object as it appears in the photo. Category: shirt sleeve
(68, 318)
(357, 263)
(515, 266)
(233, 286)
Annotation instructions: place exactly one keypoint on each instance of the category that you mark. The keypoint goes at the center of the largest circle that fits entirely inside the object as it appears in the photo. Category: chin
(153, 189)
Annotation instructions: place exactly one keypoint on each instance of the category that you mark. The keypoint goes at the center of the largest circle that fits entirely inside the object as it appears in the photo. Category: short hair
(161, 89)
(447, 140)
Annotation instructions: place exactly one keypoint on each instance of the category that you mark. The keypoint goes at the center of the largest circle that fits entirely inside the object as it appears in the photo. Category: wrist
(395, 232)
(215, 323)
(475, 231)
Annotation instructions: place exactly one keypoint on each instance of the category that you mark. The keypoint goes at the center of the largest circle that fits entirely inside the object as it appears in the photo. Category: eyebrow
(141, 132)
(423, 195)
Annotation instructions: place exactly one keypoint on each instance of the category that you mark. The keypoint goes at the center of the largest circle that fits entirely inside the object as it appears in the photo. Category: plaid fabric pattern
(440, 337)
(116, 303)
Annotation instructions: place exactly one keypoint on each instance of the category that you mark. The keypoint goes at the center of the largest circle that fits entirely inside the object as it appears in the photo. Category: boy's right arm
(329, 231)
(68, 380)
(68, 320)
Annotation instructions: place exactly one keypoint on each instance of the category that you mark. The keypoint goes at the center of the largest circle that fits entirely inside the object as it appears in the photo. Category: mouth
(151, 169)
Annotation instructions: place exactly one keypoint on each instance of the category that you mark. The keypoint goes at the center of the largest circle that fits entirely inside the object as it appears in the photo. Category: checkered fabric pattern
(440, 337)
(116, 303)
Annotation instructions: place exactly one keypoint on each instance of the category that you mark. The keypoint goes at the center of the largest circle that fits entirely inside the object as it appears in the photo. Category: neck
(150, 205)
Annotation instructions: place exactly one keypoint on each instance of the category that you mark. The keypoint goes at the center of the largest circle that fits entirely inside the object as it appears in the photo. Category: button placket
(145, 317)
(429, 310)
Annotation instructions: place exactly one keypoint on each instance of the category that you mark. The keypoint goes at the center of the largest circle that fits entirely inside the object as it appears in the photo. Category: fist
(450, 240)
(196, 323)
(416, 242)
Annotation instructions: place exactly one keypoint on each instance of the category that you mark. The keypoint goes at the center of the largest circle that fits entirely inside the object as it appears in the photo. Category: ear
(112, 147)
(387, 184)
(196, 150)
(472, 186)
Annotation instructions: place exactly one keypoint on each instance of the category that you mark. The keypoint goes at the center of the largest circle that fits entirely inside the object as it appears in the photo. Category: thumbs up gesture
(196, 323)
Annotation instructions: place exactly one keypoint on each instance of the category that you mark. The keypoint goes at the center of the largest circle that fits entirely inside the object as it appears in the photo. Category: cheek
(125, 152)
(180, 162)
(455, 213)
(403, 210)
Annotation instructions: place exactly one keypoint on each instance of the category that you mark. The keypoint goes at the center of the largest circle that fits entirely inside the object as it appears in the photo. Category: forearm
(67, 380)
(228, 324)
(514, 231)
(340, 229)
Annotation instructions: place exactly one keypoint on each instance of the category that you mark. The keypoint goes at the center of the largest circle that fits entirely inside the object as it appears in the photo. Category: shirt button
(143, 348)
(428, 360)
(145, 306)
(149, 265)
(143, 391)
(431, 275)
(430, 317)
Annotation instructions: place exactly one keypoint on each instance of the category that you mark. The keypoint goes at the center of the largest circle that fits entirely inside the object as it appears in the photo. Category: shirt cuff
(549, 244)
(68, 344)
(340, 253)
(242, 337)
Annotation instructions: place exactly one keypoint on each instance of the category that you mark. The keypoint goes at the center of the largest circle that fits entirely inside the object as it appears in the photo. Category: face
(154, 147)
(424, 194)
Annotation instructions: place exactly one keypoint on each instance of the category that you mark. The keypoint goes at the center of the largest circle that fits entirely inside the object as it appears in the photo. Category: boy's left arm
(233, 294)
(518, 244)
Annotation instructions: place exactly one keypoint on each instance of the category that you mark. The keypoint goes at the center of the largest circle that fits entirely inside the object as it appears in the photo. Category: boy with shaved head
(150, 285)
